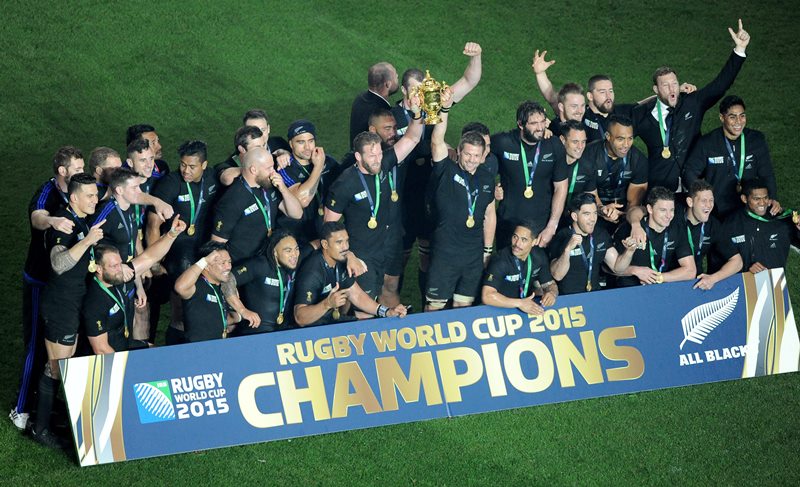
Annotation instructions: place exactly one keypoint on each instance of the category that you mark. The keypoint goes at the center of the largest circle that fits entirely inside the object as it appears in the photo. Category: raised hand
(95, 233)
(472, 49)
(741, 38)
(539, 64)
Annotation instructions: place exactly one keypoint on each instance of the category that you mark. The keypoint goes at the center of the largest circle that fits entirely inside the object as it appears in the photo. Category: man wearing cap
(307, 175)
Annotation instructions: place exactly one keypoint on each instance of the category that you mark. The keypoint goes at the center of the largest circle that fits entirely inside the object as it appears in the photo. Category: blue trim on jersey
(106, 210)
(43, 197)
(30, 353)
(287, 180)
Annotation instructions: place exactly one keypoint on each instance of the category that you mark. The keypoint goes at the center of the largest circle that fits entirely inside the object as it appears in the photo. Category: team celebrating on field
(281, 235)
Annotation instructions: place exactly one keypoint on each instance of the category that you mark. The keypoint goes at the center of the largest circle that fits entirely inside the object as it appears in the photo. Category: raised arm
(438, 145)
(545, 86)
(472, 75)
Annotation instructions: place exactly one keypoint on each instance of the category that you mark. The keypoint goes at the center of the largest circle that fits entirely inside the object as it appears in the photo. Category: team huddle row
(282, 235)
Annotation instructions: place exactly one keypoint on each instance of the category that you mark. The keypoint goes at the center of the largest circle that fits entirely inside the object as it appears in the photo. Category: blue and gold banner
(311, 381)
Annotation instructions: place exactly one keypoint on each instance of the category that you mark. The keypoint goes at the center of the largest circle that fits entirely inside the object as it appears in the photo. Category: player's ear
(655, 90)
(744, 198)
(689, 201)
(572, 215)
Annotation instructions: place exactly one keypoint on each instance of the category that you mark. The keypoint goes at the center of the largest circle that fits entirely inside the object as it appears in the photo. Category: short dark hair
(364, 139)
(528, 225)
(528, 108)
(472, 138)
(101, 249)
(377, 114)
(476, 127)
(579, 200)
(64, 155)
(729, 102)
(99, 156)
(412, 73)
(750, 185)
(699, 185)
(615, 119)
(569, 89)
(254, 114)
(137, 146)
(659, 193)
(329, 228)
(595, 79)
(571, 125)
(210, 246)
(378, 74)
(135, 131)
(662, 71)
(120, 177)
(245, 134)
(78, 180)
(194, 148)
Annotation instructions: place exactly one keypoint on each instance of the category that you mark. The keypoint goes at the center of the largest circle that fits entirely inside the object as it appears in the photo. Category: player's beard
(529, 136)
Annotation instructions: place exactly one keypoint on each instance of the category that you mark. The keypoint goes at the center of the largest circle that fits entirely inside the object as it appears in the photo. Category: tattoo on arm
(60, 259)
(229, 287)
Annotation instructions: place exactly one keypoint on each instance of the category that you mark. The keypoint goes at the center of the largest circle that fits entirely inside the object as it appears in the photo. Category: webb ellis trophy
(430, 94)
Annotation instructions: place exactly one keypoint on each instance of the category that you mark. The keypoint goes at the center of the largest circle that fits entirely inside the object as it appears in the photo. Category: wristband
(444, 110)
(418, 116)
(487, 249)
(381, 311)
(173, 235)
(202, 263)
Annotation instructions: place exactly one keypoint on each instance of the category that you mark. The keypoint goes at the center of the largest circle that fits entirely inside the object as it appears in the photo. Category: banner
(160, 401)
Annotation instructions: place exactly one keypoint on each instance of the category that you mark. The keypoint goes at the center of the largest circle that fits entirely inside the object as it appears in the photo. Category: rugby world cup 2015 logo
(154, 401)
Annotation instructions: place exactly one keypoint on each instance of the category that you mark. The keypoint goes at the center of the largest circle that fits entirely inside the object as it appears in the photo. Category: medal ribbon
(662, 126)
(653, 252)
(264, 211)
(588, 262)
(193, 217)
(128, 224)
(79, 221)
(572, 182)
(118, 301)
(470, 202)
(58, 190)
(733, 157)
(282, 302)
(376, 204)
(700, 242)
(219, 303)
(523, 289)
(529, 175)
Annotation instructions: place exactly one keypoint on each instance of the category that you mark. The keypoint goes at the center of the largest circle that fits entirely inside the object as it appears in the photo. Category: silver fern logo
(702, 320)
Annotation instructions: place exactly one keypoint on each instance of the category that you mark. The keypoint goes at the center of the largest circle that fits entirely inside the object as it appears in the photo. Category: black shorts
(371, 282)
(394, 254)
(62, 329)
(450, 275)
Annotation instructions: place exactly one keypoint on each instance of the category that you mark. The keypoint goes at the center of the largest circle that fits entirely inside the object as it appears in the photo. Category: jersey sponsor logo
(184, 198)
(580, 178)
(748, 166)
(590, 124)
(271, 281)
(773, 237)
(486, 188)
(114, 310)
(574, 252)
(547, 157)
(490, 278)
(212, 188)
(358, 196)
(716, 160)
(211, 298)
(748, 158)
(670, 244)
(401, 131)
(120, 225)
(601, 246)
(738, 239)
(457, 178)
(510, 156)
(688, 116)
(250, 209)
(327, 288)
(512, 278)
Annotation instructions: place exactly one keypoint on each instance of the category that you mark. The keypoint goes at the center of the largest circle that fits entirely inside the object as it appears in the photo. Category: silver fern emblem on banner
(702, 320)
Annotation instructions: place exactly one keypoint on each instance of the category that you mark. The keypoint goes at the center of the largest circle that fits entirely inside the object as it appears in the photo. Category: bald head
(255, 157)
(258, 167)
(382, 79)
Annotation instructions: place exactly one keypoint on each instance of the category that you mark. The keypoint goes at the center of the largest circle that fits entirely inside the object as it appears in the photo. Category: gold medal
(666, 153)
(190, 231)
(738, 188)
(225, 334)
(336, 313)
(141, 234)
(372, 223)
(659, 278)
(269, 232)
(321, 211)
(280, 319)
(588, 286)
(126, 332)
(470, 222)
(92, 266)
(130, 258)
(795, 217)
(395, 196)
(528, 192)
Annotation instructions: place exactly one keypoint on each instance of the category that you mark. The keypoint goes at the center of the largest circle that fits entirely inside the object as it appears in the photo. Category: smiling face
(84, 199)
(287, 253)
(155, 144)
(574, 143)
(143, 162)
(534, 128)
(470, 156)
(219, 268)
(573, 108)
(758, 201)
(734, 121)
(661, 214)
(585, 218)
(700, 206)
(619, 140)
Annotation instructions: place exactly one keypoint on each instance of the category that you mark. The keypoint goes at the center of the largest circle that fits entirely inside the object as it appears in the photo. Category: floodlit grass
(80, 73)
